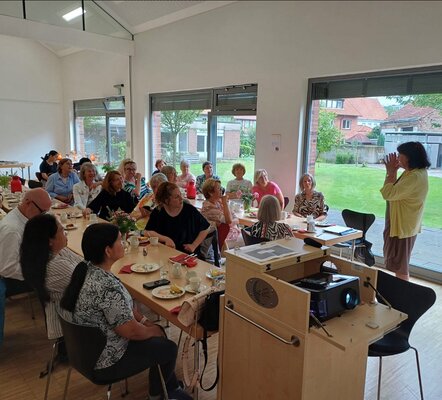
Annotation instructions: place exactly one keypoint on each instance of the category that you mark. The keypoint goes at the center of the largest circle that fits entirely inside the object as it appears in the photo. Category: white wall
(279, 45)
(30, 101)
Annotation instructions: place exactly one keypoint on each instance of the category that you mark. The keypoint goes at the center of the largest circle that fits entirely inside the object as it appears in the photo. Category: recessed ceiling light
(73, 14)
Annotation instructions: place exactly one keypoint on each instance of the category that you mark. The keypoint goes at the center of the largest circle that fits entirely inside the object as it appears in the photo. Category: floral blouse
(270, 231)
(105, 303)
(305, 207)
(214, 213)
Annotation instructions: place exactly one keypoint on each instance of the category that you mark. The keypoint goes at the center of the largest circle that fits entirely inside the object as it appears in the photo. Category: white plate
(59, 206)
(144, 268)
(79, 215)
(143, 240)
(323, 224)
(70, 227)
(163, 292)
(222, 274)
(188, 289)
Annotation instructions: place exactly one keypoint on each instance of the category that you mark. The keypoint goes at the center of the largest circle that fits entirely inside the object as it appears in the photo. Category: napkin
(190, 262)
(126, 269)
(176, 310)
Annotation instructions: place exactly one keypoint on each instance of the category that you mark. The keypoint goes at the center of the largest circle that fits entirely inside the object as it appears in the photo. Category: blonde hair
(167, 170)
(209, 187)
(123, 164)
(258, 174)
(269, 209)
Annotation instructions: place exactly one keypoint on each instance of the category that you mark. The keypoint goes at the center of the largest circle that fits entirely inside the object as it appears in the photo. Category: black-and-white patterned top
(305, 207)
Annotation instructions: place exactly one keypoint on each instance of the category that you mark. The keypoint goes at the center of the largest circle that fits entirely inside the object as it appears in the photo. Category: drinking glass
(164, 270)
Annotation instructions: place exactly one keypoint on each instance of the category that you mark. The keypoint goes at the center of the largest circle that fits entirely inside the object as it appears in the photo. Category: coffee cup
(133, 241)
(195, 283)
(93, 218)
(153, 240)
(284, 214)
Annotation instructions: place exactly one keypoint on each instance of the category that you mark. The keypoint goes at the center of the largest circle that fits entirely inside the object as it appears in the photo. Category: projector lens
(350, 299)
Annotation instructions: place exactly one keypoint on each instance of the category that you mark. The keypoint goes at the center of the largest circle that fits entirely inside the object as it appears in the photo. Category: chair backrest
(223, 230)
(249, 239)
(408, 297)
(286, 202)
(34, 184)
(39, 176)
(84, 344)
(358, 220)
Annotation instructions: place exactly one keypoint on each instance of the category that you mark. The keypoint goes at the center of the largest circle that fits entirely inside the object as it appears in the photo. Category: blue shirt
(56, 186)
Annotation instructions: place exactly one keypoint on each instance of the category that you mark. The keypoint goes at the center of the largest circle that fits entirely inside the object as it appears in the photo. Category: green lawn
(357, 188)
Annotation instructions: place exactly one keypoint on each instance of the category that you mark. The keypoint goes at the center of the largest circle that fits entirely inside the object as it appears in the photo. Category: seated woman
(239, 183)
(269, 212)
(186, 176)
(146, 205)
(170, 172)
(177, 224)
(309, 201)
(208, 173)
(87, 189)
(47, 265)
(216, 209)
(263, 186)
(134, 183)
(159, 164)
(61, 184)
(49, 164)
(95, 297)
(112, 197)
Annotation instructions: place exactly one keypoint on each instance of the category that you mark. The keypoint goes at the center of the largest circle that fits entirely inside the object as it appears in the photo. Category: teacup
(195, 283)
(153, 240)
(133, 241)
(190, 274)
(284, 214)
(93, 218)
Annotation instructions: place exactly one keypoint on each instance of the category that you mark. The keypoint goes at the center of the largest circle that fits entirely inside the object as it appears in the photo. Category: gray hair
(157, 179)
(86, 167)
(184, 163)
(269, 209)
(301, 180)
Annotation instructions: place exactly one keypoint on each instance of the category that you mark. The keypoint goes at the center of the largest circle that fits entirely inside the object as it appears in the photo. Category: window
(346, 124)
(332, 104)
(393, 107)
(214, 124)
(100, 129)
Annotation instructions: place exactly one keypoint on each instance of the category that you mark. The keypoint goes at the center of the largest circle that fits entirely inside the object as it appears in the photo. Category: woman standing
(47, 265)
(87, 189)
(177, 224)
(95, 297)
(61, 184)
(405, 198)
(309, 201)
(263, 186)
(112, 197)
(49, 164)
(267, 226)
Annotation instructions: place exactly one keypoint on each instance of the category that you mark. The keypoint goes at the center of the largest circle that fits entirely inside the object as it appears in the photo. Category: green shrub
(345, 158)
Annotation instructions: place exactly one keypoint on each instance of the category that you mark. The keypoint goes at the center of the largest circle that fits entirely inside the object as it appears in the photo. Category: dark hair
(51, 153)
(83, 160)
(416, 154)
(35, 252)
(62, 162)
(96, 238)
(107, 182)
(206, 163)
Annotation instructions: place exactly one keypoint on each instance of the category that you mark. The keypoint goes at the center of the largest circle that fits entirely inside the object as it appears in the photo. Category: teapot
(177, 270)
(191, 190)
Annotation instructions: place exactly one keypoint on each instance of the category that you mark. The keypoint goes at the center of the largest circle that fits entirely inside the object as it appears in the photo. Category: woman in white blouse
(87, 189)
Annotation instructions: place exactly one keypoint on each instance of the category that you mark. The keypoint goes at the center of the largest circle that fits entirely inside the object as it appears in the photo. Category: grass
(357, 188)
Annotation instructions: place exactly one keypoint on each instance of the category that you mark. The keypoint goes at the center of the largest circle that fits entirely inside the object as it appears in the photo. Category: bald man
(34, 202)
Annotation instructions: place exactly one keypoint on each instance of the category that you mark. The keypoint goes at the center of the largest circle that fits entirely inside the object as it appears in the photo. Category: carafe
(191, 190)
(16, 184)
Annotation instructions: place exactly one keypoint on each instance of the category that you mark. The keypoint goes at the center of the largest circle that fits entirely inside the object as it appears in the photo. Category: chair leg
(379, 378)
(67, 383)
(30, 305)
(126, 388)
(109, 389)
(419, 372)
(163, 384)
(50, 367)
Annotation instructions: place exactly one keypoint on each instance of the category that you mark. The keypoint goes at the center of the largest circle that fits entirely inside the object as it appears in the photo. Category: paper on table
(339, 230)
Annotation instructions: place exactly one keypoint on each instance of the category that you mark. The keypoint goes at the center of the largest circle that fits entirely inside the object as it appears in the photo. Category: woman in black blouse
(177, 224)
(112, 197)
(49, 164)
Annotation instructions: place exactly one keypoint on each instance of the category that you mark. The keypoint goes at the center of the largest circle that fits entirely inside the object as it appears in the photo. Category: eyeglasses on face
(38, 207)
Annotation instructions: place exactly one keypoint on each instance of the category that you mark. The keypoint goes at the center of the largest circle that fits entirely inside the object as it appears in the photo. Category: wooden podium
(267, 349)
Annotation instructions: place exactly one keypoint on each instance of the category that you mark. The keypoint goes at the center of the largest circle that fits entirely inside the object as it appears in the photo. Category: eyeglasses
(39, 209)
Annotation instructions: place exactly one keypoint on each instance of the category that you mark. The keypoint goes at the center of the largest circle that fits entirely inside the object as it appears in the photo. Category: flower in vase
(123, 220)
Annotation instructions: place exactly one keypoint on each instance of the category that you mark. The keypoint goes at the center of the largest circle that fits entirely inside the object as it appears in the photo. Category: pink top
(183, 180)
(272, 188)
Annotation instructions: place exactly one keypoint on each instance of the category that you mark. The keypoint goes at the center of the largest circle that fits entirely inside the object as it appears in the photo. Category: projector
(330, 294)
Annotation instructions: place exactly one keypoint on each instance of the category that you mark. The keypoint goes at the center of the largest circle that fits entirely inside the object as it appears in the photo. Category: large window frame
(403, 82)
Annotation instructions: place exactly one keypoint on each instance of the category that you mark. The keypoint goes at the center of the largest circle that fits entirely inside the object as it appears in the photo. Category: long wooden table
(22, 166)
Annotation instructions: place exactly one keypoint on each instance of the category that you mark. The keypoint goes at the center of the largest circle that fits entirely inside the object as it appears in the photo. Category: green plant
(4, 181)
(345, 158)
(123, 220)
(106, 167)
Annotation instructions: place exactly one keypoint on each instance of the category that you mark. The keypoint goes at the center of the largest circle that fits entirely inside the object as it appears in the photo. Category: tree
(328, 135)
(248, 142)
(433, 100)
(175, 122)
(378, 135)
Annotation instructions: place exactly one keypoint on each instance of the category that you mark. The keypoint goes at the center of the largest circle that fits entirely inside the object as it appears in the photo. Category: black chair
(39, 176)
(356, 220)
(212, 239)
(34, 184)
(286, 202)
(84, 344)
(249, 239)
(411, 299)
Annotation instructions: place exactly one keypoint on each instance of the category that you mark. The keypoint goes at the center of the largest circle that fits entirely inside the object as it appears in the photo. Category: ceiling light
(73, 14)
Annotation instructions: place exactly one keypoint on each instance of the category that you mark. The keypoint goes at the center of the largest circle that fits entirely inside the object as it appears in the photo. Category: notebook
(339, 230)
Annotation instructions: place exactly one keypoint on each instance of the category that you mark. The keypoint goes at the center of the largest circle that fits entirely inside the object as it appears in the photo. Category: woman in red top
(264, 186)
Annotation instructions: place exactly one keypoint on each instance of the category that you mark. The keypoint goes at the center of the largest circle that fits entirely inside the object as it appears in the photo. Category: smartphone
(154, 284)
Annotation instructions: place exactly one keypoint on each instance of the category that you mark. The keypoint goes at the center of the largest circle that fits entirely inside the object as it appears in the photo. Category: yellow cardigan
(406, 199)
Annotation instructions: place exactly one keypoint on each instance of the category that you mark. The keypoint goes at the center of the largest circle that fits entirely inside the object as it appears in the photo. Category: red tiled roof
(410, 111)
(359, 130)
(363, 107)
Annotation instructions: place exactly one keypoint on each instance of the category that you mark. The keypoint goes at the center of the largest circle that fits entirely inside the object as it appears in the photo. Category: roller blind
(111, 106)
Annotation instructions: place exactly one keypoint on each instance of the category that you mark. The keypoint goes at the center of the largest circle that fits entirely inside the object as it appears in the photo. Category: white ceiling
(140, 16)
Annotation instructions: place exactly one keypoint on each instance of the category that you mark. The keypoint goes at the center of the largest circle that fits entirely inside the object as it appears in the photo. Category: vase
(247, 205)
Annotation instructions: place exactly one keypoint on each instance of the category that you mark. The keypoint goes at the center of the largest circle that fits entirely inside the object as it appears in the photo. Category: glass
(11, 8)
(52, 12)
(164, 269)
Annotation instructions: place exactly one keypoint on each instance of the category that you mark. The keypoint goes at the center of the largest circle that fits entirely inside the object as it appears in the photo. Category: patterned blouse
(270, 231)
(305, 207)
(200, 179)
(105, 303)
(144, 189)
(214, 213)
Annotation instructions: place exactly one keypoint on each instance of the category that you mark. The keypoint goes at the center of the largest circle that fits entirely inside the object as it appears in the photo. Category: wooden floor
(26, 349)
